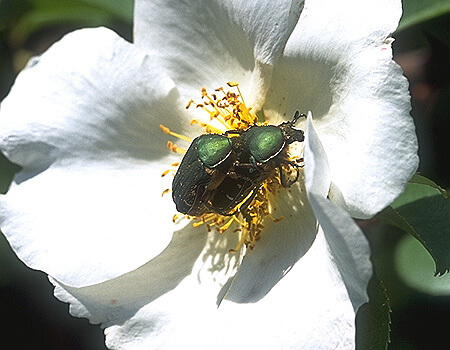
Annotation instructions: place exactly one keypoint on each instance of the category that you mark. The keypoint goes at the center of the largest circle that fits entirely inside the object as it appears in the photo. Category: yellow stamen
(241, 241)
(177, 217)
(225, 227)
(174, 148)
(168, 131)
(208, 128)
(274, 219)
(228, 109)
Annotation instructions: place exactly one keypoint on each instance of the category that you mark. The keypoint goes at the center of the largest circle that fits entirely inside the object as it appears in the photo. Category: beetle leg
(285, 182)
(248, 171)
(243, 208)
(240, 165)
(234, 131)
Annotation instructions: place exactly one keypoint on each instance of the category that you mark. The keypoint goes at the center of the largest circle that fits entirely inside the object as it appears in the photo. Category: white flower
(83, 122)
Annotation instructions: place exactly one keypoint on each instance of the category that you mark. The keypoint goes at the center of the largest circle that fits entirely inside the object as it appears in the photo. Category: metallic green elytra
(213, 149)
(219, 172)
(264, 142)
(203, 167)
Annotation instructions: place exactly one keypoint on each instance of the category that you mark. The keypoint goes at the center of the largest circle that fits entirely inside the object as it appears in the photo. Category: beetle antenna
(297, 116)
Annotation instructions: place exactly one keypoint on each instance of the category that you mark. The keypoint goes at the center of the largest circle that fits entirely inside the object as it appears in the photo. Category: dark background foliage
(34, 319)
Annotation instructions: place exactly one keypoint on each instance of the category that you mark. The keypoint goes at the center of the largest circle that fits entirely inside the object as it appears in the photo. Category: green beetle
(218, 172)
(203, 167)
(264, 148)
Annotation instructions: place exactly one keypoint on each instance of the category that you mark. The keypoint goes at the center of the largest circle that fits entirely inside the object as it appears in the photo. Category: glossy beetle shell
(194, 181)
(219, 172)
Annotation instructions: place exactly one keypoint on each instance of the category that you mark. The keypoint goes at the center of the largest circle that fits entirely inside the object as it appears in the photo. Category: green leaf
(423, 211)
(415, 12)
(42, 18)
(373, 321)
(121, 9)
(419, 179)
(415, 267)
(45, 13)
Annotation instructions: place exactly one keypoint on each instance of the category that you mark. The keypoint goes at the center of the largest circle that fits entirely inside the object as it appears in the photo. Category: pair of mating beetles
(221, 173)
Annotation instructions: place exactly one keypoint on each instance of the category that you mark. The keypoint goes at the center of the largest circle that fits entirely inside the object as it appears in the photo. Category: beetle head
(290, 133)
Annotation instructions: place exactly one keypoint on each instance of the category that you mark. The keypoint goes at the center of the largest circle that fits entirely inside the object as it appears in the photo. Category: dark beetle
(204, 167)
(261, 149)
(220, 171)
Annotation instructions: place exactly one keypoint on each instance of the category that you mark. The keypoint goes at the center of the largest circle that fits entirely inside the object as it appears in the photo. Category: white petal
(91, 95)
(347, 243)
(191, 258)
(86, 224)
(317, 171)
(288, 292)
(83, 121)
(209, 43)
(308, 309)
(358, 96)
(376, 153)
(281, 246)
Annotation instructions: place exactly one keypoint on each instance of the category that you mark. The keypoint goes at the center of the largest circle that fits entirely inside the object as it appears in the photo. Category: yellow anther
(189, 103)
(228, 109)
(177, 217)
(174, 148)
(241, 241)
(212, 130)
(168, 131)
(277, 219)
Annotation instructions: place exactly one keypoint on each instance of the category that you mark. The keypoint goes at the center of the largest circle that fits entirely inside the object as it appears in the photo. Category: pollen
(174, 148)
(249, 205)
(168, 131)
(227, 107)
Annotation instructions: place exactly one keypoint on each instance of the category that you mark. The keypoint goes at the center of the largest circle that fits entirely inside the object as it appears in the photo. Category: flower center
(228, 174)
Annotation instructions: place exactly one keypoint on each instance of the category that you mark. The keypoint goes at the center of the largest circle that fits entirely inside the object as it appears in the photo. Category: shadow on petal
(301, 84)
(348, 246)
(118, 299)
(38, 164)
(282, 244)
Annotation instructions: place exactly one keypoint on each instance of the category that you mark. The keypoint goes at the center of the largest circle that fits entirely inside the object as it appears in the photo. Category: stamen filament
(168, 131)
(223, 228)
(230, 110)
(174, 148)
(209, 128)
(241, 241)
